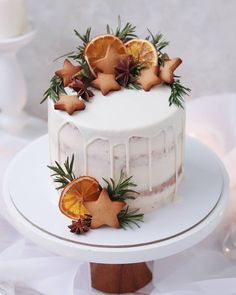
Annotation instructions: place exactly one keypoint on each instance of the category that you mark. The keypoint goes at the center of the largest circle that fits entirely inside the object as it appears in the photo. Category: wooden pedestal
(119, 278)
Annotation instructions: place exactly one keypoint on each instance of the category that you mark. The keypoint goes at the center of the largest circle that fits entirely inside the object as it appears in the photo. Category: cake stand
(117, 256)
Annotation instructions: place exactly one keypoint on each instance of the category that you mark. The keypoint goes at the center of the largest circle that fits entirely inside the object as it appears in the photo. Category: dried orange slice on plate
(97, 48)
(81, 189)
(142, 51)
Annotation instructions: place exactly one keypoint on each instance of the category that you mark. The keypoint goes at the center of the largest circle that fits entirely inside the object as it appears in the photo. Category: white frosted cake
(116, 124)
(134, 131)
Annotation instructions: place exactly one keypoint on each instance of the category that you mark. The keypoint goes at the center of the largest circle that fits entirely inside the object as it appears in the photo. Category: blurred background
(201, 33)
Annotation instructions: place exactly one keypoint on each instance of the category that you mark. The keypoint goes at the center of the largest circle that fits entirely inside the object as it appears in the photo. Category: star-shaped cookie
(167, 71)
(107, 63)
(67, 72)
(148, 78)
(106, 83)
(69, 103)
(104, 211)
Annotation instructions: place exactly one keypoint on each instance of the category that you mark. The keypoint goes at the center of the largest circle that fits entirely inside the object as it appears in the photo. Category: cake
(133, 131)
(110, 130)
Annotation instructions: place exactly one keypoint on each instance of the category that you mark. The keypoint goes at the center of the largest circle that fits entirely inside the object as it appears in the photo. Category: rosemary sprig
(78, 56)
(56, 83)
(137, 67)
(133, 84)
(159, 43)
(64, 55)
(85, 38)
(122, 190)
(124, 34)
(61, 175)
(129, 217)
(55, 89)
(85, 73)
(178, 91)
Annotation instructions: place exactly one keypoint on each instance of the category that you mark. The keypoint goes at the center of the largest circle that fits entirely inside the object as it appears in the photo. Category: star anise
(81, 225)
(81, 88)
(127, 71)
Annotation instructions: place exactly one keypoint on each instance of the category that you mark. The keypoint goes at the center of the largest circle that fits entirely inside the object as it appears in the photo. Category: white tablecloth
(203, 269)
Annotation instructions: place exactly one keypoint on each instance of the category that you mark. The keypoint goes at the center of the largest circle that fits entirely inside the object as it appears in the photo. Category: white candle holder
(13, 91)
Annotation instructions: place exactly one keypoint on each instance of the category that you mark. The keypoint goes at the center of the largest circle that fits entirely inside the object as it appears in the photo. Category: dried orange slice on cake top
(142, 51)
(84, 188)
(97, 49)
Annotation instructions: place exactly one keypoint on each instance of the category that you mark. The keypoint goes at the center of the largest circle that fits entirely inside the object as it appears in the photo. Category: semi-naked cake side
(133, 131)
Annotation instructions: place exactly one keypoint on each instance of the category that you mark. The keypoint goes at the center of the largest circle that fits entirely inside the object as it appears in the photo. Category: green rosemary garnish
(129, 217)
(61, 175)
(127, 78)
(132, 84)
(124, 34)
(85, 73)
(80, 58)
(79, 54)
(159, 43)
(178, 91)
(55, 89)
(122, 190)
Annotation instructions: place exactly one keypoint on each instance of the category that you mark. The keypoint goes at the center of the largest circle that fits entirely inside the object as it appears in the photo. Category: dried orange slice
(142, 51)
(84, 188)
(97, 48)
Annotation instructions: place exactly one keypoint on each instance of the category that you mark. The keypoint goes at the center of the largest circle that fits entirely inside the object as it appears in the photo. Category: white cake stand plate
(31, 202)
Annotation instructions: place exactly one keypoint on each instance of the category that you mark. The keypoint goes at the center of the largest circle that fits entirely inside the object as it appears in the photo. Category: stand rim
(129, 254)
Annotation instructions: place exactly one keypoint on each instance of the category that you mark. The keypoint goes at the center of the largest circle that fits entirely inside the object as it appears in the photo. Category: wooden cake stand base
(119, 278)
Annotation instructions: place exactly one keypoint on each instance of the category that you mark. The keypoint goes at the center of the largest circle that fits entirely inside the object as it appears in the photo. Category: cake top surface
(124, 110)
(111, 64)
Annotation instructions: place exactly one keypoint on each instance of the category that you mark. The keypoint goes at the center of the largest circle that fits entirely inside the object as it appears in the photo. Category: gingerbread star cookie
(106, 83)
(148, 78)
(107, 63)
(69, 103)
(167, 71)
(67, 72)
(104, 211)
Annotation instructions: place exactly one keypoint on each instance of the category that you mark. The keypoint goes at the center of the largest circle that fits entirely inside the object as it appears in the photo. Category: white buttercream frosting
(126, 111)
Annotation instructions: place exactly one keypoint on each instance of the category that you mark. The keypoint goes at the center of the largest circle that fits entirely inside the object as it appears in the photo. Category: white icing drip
(93, 139)
(88, 140)
(164, 138)
(58, 148)
(176, 145)
(150, 163)
(89, 135)
(58, 134)
(58, 156)
(112, 160)
(127, 156)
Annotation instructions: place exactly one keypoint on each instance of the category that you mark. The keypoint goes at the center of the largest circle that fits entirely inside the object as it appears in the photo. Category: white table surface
(203, 269)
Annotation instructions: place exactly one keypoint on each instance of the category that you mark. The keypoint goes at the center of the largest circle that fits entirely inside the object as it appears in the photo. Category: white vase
(13, 93)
